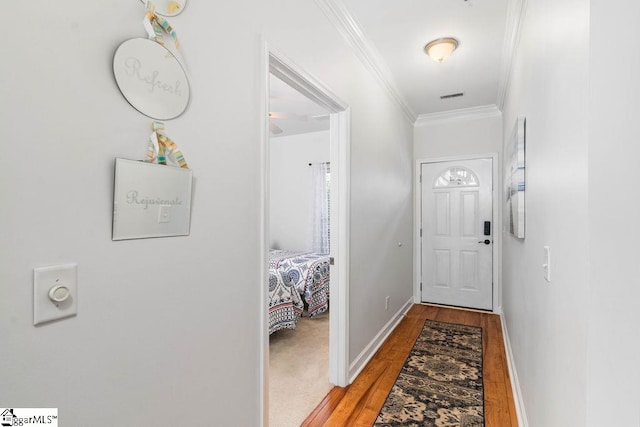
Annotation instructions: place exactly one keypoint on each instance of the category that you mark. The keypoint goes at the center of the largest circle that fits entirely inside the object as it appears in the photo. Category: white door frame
(496, 220)
(275, 63)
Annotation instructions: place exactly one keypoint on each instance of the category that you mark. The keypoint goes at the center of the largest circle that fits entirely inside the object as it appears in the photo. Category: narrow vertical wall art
(515, 179)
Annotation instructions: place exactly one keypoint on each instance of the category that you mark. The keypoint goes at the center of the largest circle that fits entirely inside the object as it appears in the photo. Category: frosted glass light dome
(441, 49)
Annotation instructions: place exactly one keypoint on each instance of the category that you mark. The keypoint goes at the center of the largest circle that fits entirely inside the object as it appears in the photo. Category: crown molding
(346, 24)
(515, 18)
(484, 111)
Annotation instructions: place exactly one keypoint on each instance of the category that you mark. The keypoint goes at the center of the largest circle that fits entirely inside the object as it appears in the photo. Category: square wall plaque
(150, 200)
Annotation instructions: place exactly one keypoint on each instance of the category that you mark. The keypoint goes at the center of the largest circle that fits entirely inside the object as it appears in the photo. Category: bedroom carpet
(441, 382)
(298, 371)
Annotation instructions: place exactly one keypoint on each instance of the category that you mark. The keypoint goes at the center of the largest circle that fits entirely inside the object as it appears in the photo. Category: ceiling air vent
(453, 95)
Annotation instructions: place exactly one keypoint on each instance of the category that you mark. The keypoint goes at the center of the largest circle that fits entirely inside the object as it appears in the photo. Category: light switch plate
(46, 278)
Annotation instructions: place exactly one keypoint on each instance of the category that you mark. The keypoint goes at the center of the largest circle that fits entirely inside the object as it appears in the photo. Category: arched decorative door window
(456, 177)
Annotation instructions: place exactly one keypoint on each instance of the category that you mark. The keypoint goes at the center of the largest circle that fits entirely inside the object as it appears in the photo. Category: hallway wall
(547, 322)
(457, 135)
(168, 330)
(613, 396)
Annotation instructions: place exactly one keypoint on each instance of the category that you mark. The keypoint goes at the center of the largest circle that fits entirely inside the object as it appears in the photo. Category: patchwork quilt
(308, 272)
(285, 304)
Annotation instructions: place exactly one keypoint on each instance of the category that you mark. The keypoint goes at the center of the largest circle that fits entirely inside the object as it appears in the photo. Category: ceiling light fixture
(441, 49)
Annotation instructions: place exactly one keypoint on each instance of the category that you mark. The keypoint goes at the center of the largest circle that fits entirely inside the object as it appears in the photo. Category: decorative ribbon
(160, 143)
(156, 25)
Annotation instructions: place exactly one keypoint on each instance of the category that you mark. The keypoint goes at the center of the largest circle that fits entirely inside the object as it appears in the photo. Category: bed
(309, 274)
(285, 304)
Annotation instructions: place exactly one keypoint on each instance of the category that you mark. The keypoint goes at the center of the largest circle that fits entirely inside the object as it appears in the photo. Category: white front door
(457, 233)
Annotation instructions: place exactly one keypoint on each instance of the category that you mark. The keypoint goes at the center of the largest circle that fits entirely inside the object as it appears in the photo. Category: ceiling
(292, 113)
(393, 36)
(399, 30)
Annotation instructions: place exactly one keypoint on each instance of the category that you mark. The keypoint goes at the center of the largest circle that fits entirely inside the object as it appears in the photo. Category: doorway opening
(308, 134)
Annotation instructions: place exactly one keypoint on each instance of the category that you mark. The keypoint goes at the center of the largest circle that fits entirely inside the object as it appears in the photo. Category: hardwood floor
(359, 404)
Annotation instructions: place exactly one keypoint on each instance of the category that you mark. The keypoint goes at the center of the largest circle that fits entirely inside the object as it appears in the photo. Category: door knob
(486, 241)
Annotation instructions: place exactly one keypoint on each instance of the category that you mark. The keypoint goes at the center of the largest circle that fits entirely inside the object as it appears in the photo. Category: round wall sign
(169, 7)
(151, 79)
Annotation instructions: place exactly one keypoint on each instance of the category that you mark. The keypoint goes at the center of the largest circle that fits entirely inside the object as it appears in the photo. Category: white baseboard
(363, 358)
(513, 374)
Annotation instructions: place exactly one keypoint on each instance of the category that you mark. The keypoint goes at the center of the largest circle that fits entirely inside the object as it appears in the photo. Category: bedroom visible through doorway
(293, 255)
(299, 252)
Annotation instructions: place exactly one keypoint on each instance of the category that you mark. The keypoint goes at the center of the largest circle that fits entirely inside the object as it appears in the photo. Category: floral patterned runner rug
(440, 383)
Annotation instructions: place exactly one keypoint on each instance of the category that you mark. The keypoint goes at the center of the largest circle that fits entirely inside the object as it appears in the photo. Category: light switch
(55, 293)
(546, 266)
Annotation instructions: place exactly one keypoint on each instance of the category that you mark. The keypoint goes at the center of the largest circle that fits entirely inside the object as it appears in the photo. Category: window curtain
(320, 208)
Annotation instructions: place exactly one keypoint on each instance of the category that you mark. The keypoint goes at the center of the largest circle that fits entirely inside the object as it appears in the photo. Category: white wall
(547, 322)
(614, 348)
(381, 217)
(291, 187)
(168, 330)
(455, 136)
